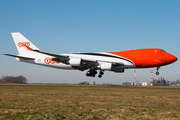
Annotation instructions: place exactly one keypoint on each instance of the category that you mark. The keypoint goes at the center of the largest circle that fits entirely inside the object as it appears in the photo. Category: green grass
(56, 102)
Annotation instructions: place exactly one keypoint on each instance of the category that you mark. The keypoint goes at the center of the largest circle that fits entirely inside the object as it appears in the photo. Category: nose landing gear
(157, 73)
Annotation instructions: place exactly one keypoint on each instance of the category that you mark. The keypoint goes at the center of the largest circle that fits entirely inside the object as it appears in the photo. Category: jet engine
(106, 66)
(75, 62)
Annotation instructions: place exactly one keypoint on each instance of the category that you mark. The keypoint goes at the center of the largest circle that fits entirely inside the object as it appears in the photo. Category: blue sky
(89, 26)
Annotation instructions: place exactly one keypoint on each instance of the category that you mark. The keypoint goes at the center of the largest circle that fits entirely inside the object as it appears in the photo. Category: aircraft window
(162, 51)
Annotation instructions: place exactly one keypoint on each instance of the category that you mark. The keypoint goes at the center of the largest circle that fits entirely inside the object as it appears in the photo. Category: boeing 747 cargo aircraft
(92, 62)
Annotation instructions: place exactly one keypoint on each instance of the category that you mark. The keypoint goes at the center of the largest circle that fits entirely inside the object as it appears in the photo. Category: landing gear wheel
(101, 73)
(157, 73)
(88, 75)
(93, 75)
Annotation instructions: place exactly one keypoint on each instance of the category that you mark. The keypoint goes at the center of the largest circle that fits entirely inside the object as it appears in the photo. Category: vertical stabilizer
(20, 40)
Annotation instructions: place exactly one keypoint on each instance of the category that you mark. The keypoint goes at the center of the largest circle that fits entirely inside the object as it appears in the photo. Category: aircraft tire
(101, 73)
(99, 76)
(157, 73)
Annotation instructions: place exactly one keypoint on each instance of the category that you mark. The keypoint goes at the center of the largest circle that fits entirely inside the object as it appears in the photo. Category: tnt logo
(50, 61)
(20, 44)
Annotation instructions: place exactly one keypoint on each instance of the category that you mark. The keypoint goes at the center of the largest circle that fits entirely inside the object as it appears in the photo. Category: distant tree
(160, 82)
(21, 79)
(12, 79)
(126, 83)
(85, 83)
(177, 82)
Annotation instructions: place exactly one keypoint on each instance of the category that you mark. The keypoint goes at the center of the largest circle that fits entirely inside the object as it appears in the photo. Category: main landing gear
(100, 74)
(92, 73)
(157, 73)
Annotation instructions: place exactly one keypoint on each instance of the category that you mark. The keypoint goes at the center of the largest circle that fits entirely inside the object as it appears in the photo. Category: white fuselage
(42, 60)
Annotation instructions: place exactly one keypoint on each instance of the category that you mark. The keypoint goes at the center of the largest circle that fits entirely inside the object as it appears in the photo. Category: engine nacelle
(118, 70)
(106, 66)
(75, 62)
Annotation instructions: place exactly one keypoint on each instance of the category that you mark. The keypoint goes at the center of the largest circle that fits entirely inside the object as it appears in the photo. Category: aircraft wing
(86, 63)
(46, 53)
(117, 64)
(91, 62)
(27, 58)
(51, 54)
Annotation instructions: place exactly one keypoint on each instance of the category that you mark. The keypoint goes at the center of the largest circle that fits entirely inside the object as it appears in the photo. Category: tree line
(163, 82)
(12, 79)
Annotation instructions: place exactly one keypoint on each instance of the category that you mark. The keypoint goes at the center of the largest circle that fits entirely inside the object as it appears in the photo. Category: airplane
(92, 62)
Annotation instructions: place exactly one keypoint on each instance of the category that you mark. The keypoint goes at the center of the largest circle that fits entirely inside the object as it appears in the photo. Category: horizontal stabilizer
(27, 58)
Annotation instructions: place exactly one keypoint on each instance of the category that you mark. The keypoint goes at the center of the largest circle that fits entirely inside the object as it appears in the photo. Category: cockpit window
(162, 51)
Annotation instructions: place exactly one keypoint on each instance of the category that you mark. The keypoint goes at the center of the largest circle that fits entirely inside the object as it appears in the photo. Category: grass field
(88, 102)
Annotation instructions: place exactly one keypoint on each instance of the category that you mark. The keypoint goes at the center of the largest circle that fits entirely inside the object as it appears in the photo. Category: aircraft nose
(171, 58)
